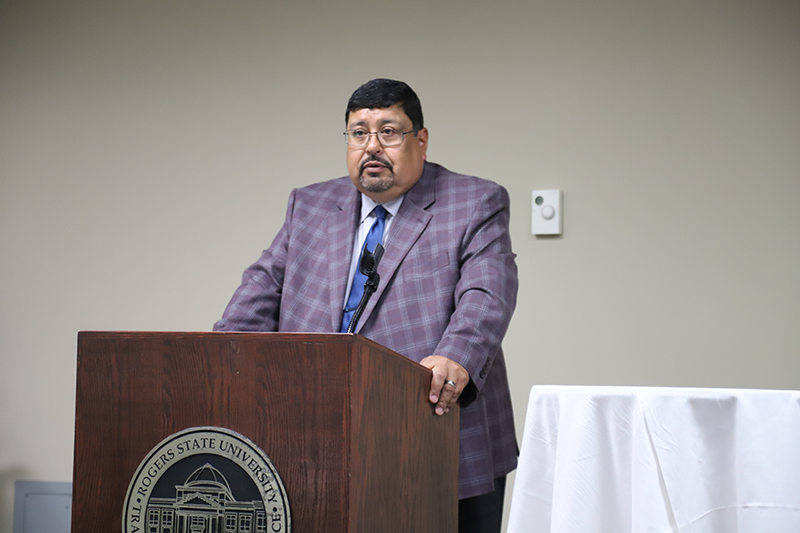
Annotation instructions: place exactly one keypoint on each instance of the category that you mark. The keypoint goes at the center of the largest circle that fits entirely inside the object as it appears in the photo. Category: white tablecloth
(647, 459)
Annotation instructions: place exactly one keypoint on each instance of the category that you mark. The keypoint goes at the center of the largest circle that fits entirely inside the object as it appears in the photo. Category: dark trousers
(484, 513)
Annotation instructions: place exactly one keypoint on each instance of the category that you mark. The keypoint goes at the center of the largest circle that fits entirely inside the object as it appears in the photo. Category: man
(448, 278)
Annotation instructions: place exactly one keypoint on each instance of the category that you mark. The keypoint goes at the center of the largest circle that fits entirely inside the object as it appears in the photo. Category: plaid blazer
(448, 287)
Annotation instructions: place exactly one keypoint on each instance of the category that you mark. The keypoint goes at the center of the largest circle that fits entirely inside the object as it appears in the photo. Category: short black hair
(381, 93)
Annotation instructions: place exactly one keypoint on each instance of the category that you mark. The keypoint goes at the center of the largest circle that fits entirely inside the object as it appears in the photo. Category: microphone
(368, 267)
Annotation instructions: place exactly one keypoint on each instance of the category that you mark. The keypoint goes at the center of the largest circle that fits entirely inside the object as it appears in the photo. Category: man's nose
(373, 144)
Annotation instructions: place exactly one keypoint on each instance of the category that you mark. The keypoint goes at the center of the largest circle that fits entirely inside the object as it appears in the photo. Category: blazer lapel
(341, 234)
(406, 229)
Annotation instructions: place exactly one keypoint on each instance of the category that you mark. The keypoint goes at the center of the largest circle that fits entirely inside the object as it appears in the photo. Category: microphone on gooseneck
(368, 267)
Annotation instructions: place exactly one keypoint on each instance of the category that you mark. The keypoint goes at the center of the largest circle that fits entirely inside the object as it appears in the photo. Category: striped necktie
(374, 236)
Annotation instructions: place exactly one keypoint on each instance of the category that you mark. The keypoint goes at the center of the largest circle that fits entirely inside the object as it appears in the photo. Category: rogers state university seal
(206, 480)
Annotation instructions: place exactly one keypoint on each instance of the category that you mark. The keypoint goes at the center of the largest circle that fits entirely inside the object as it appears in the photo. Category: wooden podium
(345, 422)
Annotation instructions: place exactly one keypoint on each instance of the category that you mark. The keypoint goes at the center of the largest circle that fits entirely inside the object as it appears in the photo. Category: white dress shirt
(366, 221)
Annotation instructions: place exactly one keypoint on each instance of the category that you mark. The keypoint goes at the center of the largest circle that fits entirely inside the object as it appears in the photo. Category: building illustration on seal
(205, 504)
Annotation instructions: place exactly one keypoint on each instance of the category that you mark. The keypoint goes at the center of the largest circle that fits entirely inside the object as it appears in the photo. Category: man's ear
(422, 139)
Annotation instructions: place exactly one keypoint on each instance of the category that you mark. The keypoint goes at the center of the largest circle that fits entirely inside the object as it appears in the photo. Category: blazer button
(485, 369)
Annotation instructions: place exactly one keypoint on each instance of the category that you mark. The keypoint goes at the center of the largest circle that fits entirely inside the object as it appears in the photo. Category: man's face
(385, 173)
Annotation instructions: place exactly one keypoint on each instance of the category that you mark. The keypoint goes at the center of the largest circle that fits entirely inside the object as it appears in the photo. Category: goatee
(376, 183)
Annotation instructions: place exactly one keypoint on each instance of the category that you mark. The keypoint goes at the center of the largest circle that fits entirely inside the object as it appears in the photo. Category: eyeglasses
(386, 136)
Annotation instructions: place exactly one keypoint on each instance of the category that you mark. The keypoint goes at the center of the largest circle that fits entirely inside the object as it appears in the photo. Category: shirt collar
(367, 205)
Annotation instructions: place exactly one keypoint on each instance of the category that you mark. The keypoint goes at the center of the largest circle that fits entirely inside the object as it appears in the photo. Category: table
(654, 459)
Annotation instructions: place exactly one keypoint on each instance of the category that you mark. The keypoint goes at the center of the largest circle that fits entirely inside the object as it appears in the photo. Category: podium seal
(206, 480)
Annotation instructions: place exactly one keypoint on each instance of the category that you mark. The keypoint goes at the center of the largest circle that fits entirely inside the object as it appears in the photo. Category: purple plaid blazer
(448, 287)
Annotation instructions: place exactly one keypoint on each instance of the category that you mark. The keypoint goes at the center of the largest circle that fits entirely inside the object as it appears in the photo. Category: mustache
(378, 159)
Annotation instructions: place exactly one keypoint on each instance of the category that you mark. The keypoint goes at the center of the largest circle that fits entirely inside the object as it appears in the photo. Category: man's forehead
(383, 115)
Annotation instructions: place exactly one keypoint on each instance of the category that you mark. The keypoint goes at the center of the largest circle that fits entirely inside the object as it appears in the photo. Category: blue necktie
(374, 236)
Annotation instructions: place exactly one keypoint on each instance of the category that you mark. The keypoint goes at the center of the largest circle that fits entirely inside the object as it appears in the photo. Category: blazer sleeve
(255, 306)
(486, 293)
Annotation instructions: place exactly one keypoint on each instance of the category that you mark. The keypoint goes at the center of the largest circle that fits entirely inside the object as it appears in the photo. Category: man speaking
(448, 279)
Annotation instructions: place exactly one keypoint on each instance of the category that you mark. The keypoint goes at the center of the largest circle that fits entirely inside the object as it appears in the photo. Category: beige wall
(147, 150)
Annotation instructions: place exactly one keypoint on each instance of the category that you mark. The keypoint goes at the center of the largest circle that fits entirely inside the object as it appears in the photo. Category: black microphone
(368, 267)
